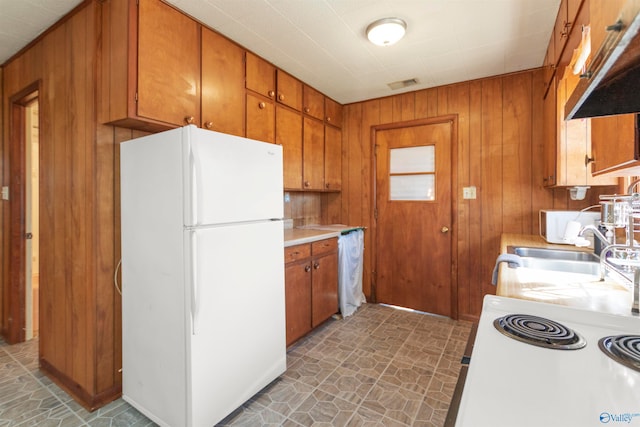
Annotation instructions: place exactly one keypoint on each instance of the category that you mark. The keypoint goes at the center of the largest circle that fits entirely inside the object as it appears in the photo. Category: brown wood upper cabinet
(332, 158)
(313, 164)
(332, 112)
(260, 76)
(313, 102)
(615, 144)
(289, 135)
(222, 84)
(289, 90)
(260, 118)
(574, 144)
(156, 68)
(565, 23)
(162, 69)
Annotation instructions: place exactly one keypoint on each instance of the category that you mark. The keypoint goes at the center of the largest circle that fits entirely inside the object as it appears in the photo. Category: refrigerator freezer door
(230, 179)
(238, 344)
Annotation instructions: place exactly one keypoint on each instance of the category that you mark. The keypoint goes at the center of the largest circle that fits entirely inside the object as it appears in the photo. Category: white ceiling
(323, 42)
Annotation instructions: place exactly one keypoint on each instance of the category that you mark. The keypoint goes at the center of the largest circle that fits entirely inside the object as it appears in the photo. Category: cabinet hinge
(375, 213)
(136, 97)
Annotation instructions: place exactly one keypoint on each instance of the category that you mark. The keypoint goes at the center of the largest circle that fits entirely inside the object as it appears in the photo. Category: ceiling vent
(402, 84)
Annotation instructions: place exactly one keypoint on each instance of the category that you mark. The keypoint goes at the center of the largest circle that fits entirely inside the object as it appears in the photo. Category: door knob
(444, 229)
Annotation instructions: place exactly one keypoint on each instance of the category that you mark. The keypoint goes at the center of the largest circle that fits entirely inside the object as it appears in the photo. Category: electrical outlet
(5, 193)
(469, 192)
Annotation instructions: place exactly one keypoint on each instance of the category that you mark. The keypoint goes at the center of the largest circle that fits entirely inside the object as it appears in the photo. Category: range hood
(611, 85)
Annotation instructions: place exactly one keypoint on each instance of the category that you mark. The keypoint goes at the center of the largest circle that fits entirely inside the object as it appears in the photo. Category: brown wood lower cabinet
(311, 286)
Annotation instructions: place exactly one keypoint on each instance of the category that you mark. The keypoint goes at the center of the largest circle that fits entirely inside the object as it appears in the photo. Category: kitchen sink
(553, 254)
(562, 265)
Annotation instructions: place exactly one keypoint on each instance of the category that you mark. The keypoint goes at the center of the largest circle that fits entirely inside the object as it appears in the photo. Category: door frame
(14, 292)
(453, 119)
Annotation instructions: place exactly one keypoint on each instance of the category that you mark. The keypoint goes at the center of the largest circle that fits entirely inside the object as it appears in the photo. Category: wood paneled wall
(80, 344)
(499, 152)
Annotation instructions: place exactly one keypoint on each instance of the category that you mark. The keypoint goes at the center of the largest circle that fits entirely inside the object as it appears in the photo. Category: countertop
(559, 288)
(312, 233)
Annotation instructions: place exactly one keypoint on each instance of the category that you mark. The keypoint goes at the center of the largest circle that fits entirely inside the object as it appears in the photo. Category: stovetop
(513, 383)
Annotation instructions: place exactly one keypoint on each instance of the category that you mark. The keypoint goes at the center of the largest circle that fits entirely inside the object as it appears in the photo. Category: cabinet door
(313, 102)
(168, 64)
(261, 76)
(550, 144)
(614, 143)
(297, 282)
(260, 119)
(289, 135)
(332, 112)
(324, 294)
(602, 14)
(222, 84)
(313, 154)
(561, 30)
(332, 158)
(289, 90)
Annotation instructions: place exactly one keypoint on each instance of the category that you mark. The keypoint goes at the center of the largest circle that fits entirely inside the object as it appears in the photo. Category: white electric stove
(513, 383)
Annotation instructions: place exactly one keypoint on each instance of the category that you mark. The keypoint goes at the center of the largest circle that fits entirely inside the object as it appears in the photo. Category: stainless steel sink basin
(553, 254)
(562, 265)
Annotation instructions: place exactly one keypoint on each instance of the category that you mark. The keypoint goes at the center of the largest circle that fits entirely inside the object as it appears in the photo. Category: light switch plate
(469, 192)
(5, 193)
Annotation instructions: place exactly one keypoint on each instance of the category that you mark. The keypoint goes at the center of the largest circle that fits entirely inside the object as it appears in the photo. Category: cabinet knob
(262, 105)
(316, 266)
(208, 125)
(328, 119)
(444, 229)
(281, 97)
(307, 268)
(307, 184)
(588, 160)
(189, 120)
(327, 185)
(307, 109)
(271, 94)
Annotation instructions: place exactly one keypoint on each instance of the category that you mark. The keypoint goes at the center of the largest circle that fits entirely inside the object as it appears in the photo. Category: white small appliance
(553, 223)
(565, 380)
(203, 316)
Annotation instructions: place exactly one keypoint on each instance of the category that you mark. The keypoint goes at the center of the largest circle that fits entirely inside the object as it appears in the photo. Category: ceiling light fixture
(386, 31)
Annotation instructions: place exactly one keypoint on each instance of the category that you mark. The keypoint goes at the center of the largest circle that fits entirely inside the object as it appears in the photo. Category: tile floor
(379, 367)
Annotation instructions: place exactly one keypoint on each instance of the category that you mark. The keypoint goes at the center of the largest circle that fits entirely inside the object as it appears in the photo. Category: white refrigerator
(203, 317)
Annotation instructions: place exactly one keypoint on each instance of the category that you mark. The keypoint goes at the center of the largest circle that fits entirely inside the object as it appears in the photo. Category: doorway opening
(22, 290)
(32, 215)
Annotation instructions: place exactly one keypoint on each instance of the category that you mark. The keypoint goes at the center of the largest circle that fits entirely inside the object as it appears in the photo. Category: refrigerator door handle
(194, 282)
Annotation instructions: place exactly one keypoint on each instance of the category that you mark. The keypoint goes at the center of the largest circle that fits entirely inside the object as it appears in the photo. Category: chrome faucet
(597, 233)
(633, 184)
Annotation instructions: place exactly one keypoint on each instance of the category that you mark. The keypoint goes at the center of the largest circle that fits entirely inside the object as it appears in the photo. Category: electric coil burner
(539, 331)
(624, 349)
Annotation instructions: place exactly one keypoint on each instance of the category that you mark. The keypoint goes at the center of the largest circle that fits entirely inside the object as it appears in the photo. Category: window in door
(412, 173)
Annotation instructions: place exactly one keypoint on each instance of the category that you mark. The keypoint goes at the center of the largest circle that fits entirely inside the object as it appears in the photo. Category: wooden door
(260, 76)
(168, 64)
(332, 158)
(313, 154)
(312, 102)
(297, 282)
(414, 219)
(615, 143)
(222, 84)
(289, 135)
(289, 90)
(260, 119)
(324, 280)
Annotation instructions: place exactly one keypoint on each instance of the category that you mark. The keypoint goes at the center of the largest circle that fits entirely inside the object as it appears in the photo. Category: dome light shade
(387, 31)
